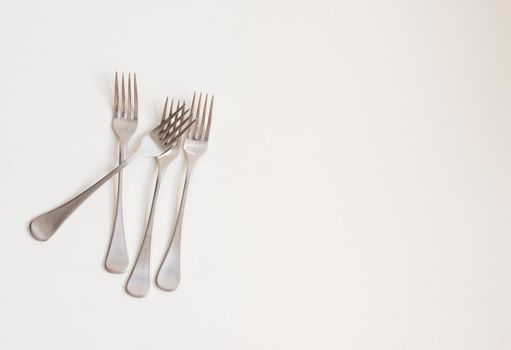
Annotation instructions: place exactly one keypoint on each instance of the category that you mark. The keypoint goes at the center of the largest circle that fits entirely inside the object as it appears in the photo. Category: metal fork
(124, 124)
(196, 143)
(155, 143)
(138, 282)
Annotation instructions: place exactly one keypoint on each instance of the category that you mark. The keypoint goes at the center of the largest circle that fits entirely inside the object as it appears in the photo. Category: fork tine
(135, 98)
(183, 130)
(172, 128)
(177, 119)
(209, 117)
(203, 120)
(177, 123)
(197, 116)
(180, 107)
(190, 132)
(123, 99)
(116, 96)
(164, 114)
(171, 110)
(172, 116)
(175, 134)
(128, 115)
(180, 140)
(183, 107)
(163, 126)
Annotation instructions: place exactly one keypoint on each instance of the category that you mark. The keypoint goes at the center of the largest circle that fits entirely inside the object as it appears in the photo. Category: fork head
(125, 108)
(172, 126)
(175, 147)
(196, 142)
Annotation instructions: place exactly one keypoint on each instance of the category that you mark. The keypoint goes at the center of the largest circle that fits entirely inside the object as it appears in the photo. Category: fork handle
(45, 225)
(169, 273)
(117, 259)
(138, 282)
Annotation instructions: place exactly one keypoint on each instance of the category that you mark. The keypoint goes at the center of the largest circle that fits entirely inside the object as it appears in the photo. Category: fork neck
(123, 141)
(123, 149)
(191, 160)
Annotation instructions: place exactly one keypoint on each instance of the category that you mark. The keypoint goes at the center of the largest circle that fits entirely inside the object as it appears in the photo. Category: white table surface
(356, 193)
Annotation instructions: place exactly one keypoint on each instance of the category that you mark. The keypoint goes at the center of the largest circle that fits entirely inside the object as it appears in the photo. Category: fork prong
(172, 117)
(166, 133)
(163, 126)
(180, 107)
(174, 114)
(164, 114)
(179, 141)
(171, 110)
(123, 97)
(206, 137)
(116, 96)
(197, 116)
(183, 130)
(183, 104)
(191, 113)
(175, 134)
(170, 128)
(128, 114)
(135, 97)
(174, 121)
(203, 120)
(168, 121)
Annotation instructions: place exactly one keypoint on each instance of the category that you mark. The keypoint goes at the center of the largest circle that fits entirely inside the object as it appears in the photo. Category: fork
(138, 282)
(195, 145)
(155, 143)
(124, 124)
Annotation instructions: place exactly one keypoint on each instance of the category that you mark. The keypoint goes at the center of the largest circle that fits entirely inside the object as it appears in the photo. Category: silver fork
(138, 282)
(195, 145)
(124, 124)
(155, 143)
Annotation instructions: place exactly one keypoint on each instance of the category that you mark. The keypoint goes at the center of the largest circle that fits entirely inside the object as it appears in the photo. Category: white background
(356, 193)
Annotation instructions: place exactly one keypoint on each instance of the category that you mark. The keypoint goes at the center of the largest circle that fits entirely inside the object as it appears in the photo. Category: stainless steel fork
(195, 145)
(138, 282)
(155, 143)
(124, 124)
